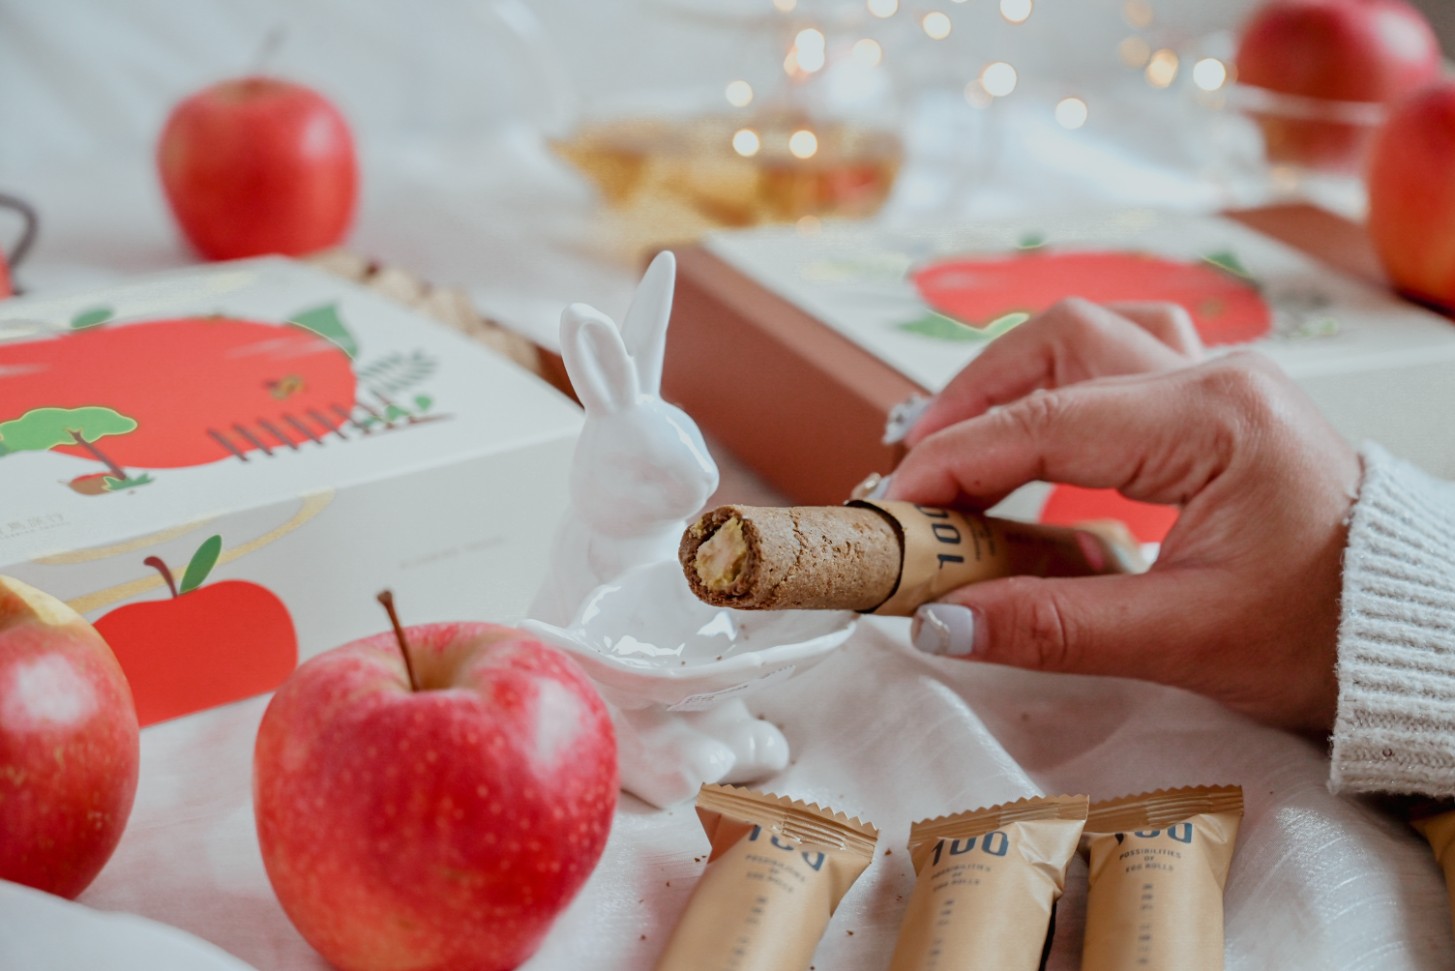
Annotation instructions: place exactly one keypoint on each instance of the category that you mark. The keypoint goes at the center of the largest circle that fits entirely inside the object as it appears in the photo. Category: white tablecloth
(1319, 882)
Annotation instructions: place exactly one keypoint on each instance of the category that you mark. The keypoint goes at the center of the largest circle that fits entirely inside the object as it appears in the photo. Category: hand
(1242, 603)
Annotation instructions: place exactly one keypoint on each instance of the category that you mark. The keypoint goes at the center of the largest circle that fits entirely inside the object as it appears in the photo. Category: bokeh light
(936, 25)
(803, 143)
(1071, 113)
(1016, 11)
(739, 94)
(999, 78)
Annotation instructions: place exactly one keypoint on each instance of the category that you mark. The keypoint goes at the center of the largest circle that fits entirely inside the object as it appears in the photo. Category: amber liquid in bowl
(647, 163)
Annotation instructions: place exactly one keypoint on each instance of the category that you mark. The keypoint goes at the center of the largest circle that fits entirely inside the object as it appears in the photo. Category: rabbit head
(640, 462)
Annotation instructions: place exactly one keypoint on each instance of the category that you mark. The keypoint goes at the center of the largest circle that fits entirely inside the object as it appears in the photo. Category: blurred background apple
(1319, 73)
(259, 165)
(1412, 196)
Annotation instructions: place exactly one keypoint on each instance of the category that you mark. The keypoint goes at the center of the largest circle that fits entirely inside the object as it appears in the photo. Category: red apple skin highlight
(439, 829)
(69, 747)
(259, 165)
(1411, 217)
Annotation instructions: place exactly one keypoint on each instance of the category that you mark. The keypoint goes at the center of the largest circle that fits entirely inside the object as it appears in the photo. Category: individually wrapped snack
(879, 557)
(986, 885)
(1437, 825)
(777, 870)
(1157, 864)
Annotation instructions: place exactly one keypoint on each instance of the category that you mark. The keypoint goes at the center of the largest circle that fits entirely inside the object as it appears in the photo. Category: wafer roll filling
(1157, 864)
(986, 885)
(876, 557)
(777, 871)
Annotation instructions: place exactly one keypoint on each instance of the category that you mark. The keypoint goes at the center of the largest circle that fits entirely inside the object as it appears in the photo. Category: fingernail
(944, 630)
(873, 487)
(902, 418)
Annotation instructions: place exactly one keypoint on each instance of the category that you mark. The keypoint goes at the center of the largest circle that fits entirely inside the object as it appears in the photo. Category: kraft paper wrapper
(1157, 864)
(1439, 831)
(986, 885)
(888, 557)
(777, 871)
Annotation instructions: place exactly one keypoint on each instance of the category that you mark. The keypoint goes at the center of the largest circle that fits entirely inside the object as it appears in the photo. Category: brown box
(805, 407)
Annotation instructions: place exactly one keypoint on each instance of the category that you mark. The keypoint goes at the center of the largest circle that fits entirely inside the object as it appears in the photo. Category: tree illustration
(42, 429)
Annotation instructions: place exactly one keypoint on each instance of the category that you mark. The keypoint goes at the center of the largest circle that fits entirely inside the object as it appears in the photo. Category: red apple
(202, 646)
(437, 819)
(259, 165)
(68, 744)
(1331, 51)
(1412, 196)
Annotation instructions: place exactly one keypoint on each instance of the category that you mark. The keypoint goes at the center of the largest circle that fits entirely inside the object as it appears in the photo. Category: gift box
(792, 344)
(222, 467)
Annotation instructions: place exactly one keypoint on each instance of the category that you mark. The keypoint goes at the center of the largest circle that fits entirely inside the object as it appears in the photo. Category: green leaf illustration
(90, 318)
(325, 322)
(941, 328)
(1005, 322)
(44, 428)
(423, 402)
(114, 484)
(1228, 260)
(1031, 241)
(202, 563)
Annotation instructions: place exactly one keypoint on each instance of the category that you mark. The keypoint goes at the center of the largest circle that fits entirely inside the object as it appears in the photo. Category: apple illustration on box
(983, 296)
(186, 391)
(205, 645)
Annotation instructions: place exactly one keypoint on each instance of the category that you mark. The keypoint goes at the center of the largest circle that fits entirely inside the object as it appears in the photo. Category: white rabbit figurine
(639, 474)
(640, 468)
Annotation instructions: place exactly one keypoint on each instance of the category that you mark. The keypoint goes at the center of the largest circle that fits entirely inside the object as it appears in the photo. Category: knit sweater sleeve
(1395, 726)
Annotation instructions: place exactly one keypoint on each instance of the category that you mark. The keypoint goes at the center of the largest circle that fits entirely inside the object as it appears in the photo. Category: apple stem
(268, 50)
(386, 598)
(156, 563)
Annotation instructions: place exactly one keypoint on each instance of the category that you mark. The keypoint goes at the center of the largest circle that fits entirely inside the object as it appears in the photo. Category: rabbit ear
(645, 326)
(602, 374)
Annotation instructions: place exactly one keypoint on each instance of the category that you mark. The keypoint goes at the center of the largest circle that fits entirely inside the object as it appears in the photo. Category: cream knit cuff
(1395, 727)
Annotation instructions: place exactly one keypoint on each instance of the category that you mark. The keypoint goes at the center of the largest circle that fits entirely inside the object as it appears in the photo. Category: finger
(1125, 626)
(1158, 438)
(1170, 323)
(1073, 341)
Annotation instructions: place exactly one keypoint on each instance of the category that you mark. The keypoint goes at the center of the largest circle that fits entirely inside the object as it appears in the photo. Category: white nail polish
(878, 489)
(945, 630)
(902, 418)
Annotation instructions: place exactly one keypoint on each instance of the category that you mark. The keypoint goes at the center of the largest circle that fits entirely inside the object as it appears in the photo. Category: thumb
(1135, 626)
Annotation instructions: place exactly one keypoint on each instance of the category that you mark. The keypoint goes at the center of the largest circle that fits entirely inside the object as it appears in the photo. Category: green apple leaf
(114, 484)
(44, 428)
(326, 323)
(1004, 323)
(90, 318)
(202, 563)
(938, 327)
(1227, 261)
